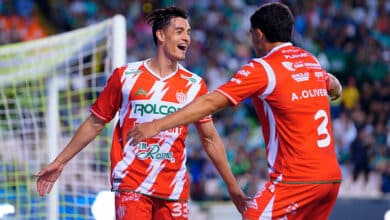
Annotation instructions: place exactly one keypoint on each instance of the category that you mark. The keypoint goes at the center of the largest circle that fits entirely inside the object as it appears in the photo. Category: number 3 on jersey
(322, 128)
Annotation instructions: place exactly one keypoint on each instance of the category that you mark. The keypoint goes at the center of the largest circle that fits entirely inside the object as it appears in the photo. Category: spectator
(345, 132)
(351, 95)
(385, 185)
(360, 148)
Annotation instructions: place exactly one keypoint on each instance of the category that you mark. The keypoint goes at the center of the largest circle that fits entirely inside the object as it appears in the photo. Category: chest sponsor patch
(153, 151)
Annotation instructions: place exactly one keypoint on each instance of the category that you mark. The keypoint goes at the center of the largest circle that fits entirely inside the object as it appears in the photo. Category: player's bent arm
(335, 87)
(88, 130)
(214, 148)
(196, 110)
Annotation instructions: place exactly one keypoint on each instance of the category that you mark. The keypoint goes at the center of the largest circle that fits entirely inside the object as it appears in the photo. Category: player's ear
(160, 36)
(259, 33)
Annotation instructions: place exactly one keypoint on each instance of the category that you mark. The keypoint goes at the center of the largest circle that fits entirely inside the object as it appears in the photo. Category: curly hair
(160, 18)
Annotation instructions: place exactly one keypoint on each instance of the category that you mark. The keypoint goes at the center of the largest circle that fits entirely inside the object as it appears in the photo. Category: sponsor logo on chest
(153, 152)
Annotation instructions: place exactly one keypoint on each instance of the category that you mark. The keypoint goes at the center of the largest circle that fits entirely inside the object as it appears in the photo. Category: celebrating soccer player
(290, 92)
(150, 178)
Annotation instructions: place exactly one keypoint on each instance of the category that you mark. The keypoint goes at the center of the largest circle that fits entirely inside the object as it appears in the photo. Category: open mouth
(182, 47)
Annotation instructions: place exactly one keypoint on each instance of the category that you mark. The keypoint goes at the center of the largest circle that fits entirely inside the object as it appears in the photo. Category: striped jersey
(157, 166)
(289, 90)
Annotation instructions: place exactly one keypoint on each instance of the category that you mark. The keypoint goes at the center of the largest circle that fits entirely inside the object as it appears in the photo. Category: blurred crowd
(350, 38)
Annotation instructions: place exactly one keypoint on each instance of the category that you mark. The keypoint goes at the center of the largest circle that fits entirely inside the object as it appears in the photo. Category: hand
(334, 92)
(334, 96)
(335, 89)
(141, 132)
(239, 199)
(47, 177)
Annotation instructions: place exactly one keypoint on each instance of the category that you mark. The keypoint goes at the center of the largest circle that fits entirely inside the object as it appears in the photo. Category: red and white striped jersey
(156, 167)
(289, 90)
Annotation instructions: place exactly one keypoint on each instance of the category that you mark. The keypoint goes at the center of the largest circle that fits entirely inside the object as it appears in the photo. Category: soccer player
(150, 178)
(290, 92)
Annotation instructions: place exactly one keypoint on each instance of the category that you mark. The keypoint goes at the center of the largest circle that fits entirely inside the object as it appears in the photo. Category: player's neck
(162, 66)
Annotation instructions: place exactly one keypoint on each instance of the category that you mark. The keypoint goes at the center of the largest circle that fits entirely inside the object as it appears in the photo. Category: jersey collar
(158, 76)
(278, 47)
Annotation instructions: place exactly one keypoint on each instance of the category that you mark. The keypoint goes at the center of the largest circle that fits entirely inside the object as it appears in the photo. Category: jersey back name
(289, 91)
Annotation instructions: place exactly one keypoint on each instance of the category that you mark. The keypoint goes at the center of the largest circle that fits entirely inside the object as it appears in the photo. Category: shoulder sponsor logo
(300, 77)
(244, 73)
(133, 71)
(235, 80)
(191, 79)
(181, 96)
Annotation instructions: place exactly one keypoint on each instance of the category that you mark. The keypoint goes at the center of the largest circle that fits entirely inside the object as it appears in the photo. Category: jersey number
(180, 209)
(322, 128)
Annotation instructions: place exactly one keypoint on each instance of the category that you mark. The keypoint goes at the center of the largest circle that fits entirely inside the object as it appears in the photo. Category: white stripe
(271, 78)
(127, 87)
(267, 213)
(155, 168)
(118, 171)
(129, 81)
(158, 90)
(192, 92)
(273, 141)
(180, 180)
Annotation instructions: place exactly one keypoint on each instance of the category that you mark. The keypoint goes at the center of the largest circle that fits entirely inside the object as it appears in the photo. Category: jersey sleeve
(109, 100)
(250, 80)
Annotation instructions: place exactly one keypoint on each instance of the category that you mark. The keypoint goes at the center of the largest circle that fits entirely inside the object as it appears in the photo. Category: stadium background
(350, 38)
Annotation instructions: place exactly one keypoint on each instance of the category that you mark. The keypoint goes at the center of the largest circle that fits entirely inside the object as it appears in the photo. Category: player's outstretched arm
(213, 146)
(196, 110)
(335, 87)
(90, 128)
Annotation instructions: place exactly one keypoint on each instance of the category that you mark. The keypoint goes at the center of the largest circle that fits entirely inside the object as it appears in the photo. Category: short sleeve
(109, 100)
(250, 80)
